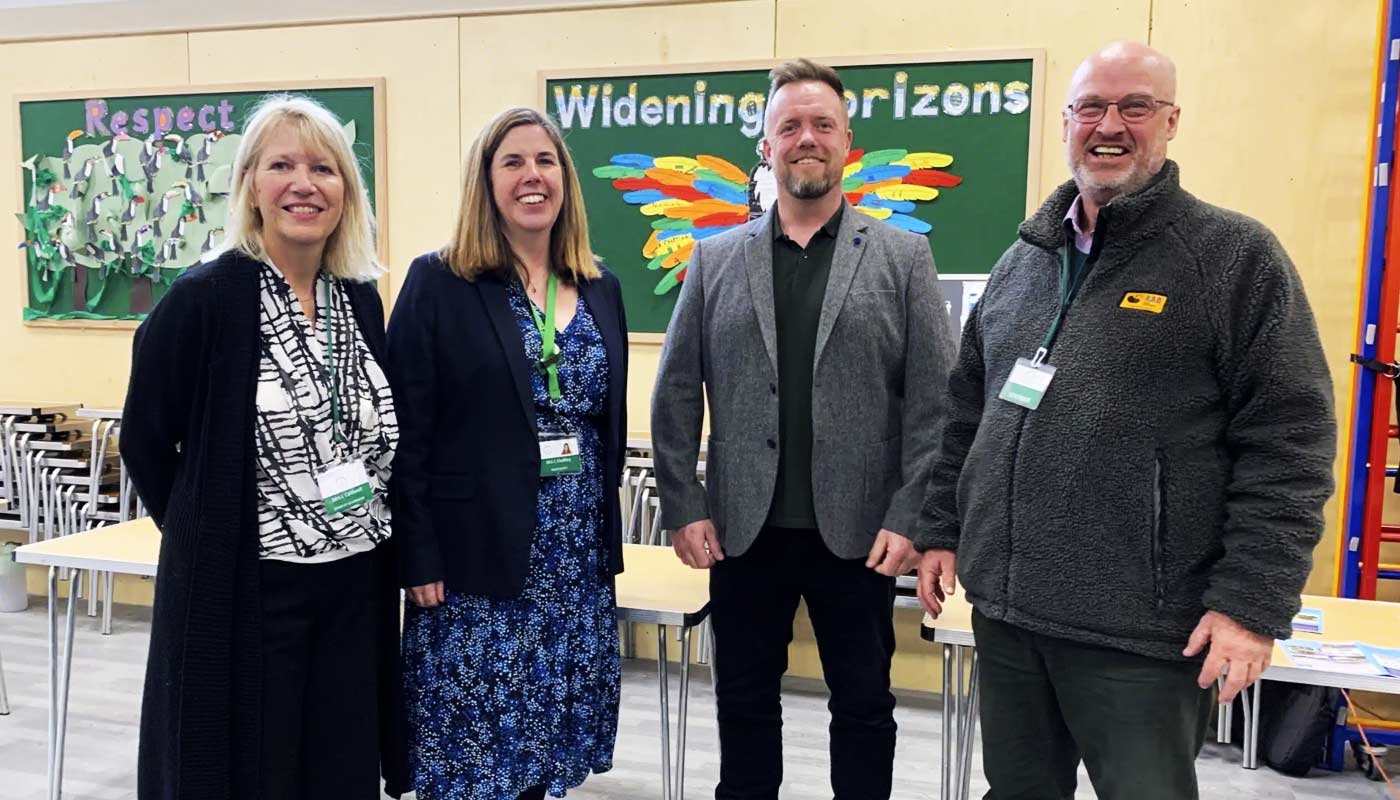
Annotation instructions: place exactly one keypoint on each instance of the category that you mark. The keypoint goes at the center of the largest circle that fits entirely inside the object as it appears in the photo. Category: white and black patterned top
(294, 425)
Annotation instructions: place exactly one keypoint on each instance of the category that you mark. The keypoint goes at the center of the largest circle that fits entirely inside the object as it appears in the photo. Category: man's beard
(1136, 178)
(809, 188)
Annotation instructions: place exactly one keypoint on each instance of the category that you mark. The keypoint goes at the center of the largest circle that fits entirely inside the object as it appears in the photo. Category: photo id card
(1027, 383)
(559, 454)
(344, 486)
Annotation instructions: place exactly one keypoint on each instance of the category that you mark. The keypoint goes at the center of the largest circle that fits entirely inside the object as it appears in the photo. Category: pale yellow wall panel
(1067, 31)
(503, 55)
(53, 19)
(1284, 137)
(44, 363)
(417, 59)
(643, 361)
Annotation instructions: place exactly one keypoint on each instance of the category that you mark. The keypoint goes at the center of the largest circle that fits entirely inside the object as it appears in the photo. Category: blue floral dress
(503, 695)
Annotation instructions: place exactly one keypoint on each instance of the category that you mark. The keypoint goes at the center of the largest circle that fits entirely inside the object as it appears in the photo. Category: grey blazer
(884, 347)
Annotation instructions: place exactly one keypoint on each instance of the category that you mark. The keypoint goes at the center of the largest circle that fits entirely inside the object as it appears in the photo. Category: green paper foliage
(103, 213)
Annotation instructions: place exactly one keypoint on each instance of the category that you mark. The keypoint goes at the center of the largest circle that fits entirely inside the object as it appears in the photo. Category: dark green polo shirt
(799, 287)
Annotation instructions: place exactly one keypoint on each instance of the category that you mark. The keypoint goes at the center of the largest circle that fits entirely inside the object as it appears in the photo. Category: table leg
(1223, 716)
(959, 712)
(681, 713)
(53, 674)
(969, 733)
(945, 788)
(663, 679)
(1251, 724)
(92, 593)
(4, 694)
(1248, 728)
(702, 647)
(65, 677)
(107, 600)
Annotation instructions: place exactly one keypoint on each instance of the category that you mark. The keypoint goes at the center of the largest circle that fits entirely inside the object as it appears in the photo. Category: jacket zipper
(1158, 522)
(1011, 508)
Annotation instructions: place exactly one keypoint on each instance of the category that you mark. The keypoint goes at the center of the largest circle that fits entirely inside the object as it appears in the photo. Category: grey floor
(107, 673)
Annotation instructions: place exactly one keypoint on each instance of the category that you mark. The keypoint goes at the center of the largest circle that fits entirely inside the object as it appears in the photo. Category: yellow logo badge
(1143, 301)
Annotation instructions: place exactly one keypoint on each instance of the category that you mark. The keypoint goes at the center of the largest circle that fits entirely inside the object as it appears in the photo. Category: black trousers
(320, 726)
(753, 599)
(1138, 723)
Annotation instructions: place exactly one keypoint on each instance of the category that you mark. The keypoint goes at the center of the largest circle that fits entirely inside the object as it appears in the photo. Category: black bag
(1295, 721)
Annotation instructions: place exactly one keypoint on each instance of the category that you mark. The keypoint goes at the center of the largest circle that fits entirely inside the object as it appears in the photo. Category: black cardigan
(187, 441)
(467, 470)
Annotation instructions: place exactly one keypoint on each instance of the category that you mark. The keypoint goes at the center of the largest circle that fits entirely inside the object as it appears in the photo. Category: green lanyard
(1068, 289)
(549, 354)
(330, 363)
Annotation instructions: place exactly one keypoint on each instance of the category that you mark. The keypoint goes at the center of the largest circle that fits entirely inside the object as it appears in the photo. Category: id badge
(344, 486)
(559, 454)
(1027, 383)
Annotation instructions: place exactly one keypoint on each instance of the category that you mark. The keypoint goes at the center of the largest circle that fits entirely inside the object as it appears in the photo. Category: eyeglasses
(1133, 108)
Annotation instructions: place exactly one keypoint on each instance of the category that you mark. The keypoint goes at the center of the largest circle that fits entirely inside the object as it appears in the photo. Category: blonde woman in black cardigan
(259, 430)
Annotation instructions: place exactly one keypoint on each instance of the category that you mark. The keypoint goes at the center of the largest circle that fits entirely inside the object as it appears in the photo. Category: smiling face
(1113, 156)
(299, 192)
(807, 139)
(527, 182)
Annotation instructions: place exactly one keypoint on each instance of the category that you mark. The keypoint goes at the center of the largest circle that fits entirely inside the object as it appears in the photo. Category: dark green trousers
(1138, 723)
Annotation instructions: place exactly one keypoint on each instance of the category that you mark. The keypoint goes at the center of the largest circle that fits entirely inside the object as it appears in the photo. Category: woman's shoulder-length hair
(350, 251)
(478, 245)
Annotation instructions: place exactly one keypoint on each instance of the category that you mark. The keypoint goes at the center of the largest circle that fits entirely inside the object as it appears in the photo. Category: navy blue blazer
(466, 473)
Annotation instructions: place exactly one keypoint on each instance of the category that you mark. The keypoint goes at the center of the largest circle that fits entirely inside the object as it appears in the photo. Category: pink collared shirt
(1083, 242)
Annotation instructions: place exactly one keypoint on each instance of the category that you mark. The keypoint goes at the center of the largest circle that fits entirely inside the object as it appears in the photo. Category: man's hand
(427, 595)
(892, 554)
(938, 578)
(1240, 653)
(697, 544)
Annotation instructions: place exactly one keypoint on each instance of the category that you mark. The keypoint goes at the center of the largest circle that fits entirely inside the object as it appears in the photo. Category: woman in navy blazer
(509, 365)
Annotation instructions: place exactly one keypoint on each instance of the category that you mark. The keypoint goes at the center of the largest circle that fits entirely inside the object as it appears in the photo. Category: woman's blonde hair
(350, 249)
(479, 244)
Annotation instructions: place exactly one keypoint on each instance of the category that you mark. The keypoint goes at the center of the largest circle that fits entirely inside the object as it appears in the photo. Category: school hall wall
(1276, 98)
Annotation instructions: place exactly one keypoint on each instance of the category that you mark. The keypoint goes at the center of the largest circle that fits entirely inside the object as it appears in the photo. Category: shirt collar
(1083, 242)
(831, 227)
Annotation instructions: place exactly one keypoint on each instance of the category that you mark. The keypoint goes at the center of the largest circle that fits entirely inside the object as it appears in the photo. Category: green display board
(943, 145)
(124, 191)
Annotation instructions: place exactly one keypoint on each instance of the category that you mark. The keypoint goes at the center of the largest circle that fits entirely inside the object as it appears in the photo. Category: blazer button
(773, 388)
(772, 444)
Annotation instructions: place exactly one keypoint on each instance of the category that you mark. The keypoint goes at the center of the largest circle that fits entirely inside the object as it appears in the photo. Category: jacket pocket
(883, 474)
(1159, 525)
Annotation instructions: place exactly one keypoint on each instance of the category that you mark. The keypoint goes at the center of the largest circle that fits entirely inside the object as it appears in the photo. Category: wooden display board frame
(1036, 112)
(380, 183)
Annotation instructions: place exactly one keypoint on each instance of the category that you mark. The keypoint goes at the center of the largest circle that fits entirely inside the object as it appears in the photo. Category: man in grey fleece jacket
(1163, 498)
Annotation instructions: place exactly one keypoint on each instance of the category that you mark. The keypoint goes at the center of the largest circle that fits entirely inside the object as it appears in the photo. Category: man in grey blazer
(821, 339)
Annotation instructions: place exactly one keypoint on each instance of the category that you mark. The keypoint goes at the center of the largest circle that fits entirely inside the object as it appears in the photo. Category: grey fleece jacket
(1179, 460)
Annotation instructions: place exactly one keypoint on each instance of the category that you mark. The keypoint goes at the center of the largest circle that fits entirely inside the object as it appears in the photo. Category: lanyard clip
(544, 364)
(1039, 357)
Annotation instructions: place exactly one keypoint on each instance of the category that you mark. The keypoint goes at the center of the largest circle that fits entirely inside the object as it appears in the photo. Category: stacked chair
(61, 473)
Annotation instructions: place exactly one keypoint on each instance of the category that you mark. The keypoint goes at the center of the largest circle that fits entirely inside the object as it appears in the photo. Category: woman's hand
(427, 595)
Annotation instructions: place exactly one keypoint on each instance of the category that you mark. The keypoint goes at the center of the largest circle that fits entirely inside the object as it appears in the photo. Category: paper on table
(1342, 657)
(1387, 659)
(1308, 620)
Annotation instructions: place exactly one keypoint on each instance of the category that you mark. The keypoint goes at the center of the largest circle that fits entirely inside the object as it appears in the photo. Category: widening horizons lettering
(585, 105)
